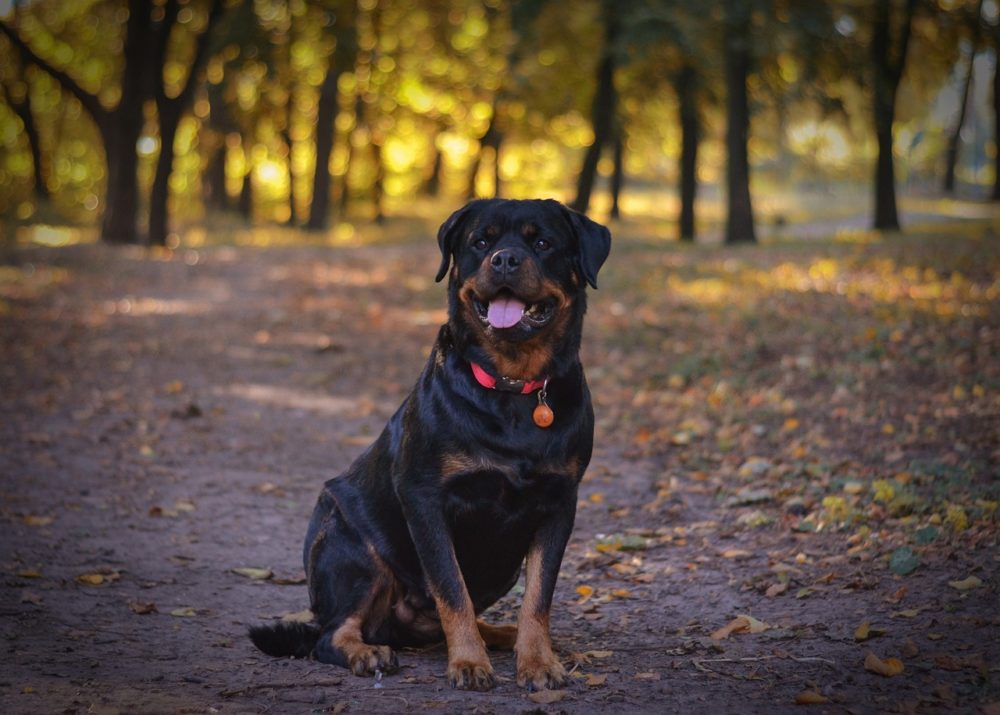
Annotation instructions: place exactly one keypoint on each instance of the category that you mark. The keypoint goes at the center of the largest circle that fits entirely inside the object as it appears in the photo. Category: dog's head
(518, 271)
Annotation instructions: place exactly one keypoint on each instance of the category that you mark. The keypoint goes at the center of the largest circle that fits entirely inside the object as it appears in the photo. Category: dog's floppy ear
(595, 244)
(449, 236)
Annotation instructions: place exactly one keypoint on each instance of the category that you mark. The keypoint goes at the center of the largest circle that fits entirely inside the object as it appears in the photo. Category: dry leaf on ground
(740, 624)
(547, 697)
(810, 697)
(888, 667)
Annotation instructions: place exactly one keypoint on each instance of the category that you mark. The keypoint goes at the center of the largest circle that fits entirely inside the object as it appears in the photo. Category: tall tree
(120, 125)
(891, 31)
(170, 109)
(690, 124)
(737, 46)
(344, 28)
(603, 108)
(972, 23)
(18, 98)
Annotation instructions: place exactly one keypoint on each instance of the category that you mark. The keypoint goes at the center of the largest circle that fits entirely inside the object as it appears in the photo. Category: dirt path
(165, 420)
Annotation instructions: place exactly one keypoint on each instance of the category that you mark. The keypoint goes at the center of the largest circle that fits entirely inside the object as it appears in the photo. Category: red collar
(505, 384)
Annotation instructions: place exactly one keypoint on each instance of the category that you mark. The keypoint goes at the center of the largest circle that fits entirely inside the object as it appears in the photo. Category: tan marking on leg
(468, 665)
(497, 637)
(537, 666)
(362, 658)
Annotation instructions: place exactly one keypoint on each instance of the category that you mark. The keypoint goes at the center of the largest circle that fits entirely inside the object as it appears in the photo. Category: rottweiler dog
(476, 473)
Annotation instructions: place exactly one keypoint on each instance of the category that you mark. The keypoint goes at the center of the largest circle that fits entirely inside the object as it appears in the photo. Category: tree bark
(690, 131)
(22, 108)
(602, 111)
(739, 214)
(119, 127)
(951, 155)
(170, 110)
(618, 174)
(888, 62)
(344, 57)
(996, 117)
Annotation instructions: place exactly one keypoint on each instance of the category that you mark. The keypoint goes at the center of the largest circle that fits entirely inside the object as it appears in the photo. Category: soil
(167, 419)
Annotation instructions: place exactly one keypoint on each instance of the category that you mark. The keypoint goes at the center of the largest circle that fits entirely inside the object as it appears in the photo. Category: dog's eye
(480, 244)
(542, 245)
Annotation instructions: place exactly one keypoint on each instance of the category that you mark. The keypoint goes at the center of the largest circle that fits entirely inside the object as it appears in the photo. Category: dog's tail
(286, 640)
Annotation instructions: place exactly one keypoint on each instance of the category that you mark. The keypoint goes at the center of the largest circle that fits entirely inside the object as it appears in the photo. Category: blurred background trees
(143, 117)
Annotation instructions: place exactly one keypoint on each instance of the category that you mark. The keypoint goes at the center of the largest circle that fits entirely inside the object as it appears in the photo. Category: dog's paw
(469, 675)
(540, 671)
(370, 658)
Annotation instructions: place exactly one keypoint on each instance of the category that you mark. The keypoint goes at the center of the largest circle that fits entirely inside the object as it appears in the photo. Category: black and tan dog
(476, 473)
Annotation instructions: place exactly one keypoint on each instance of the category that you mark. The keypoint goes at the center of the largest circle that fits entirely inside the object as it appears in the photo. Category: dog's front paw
(539, 671)
(471, 675)
(370, 658)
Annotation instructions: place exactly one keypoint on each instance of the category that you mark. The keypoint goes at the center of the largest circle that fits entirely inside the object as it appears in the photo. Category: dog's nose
(505, 261)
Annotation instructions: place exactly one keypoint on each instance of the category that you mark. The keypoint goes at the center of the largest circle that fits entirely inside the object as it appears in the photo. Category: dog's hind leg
(345, 645)
(350, 590)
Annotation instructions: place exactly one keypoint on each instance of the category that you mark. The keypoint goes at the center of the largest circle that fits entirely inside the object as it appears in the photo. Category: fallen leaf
(736, 554)
(966, 584)
(776, 589)
(305, 616)
(888, 667)
(32, 520)
(29, 573)
(904, 561)
(91, 579)
(896, 596)
(740, 624)
(142, 608)
(187, 612)
(296, 580)
(594, 681)
(862, 632)
(810, 697)
(255, 574)
(547, 697)
(650, 675)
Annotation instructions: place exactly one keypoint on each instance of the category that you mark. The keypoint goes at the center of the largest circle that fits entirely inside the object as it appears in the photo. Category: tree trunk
(688, 110)
(319, 210)
(245, 205)
(22, 108)
(490, 140)
(214, 178)
(618, 174)
(951, 155)
(122, 131)
(739, 215)
(602, 111)
(344, 57)
(286, 135)
(160, 192)
(888, 62)
(996, 117)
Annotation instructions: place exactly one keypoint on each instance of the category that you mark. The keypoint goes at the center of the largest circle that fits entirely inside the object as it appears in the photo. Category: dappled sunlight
(857, 277)
(140, 307)
(295, 399)
(54, 236)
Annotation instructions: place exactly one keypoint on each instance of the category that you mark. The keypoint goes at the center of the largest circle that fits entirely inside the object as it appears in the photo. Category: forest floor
(793, 498)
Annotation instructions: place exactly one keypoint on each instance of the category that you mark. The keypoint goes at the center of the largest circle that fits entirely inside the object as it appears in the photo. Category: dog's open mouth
(505, 311)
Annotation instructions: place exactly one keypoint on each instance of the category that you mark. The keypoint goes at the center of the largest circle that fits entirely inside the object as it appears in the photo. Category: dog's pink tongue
(505, 312)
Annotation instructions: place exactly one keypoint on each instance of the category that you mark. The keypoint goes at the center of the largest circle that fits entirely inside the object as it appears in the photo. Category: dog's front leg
(537, 665)
(469, 666)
